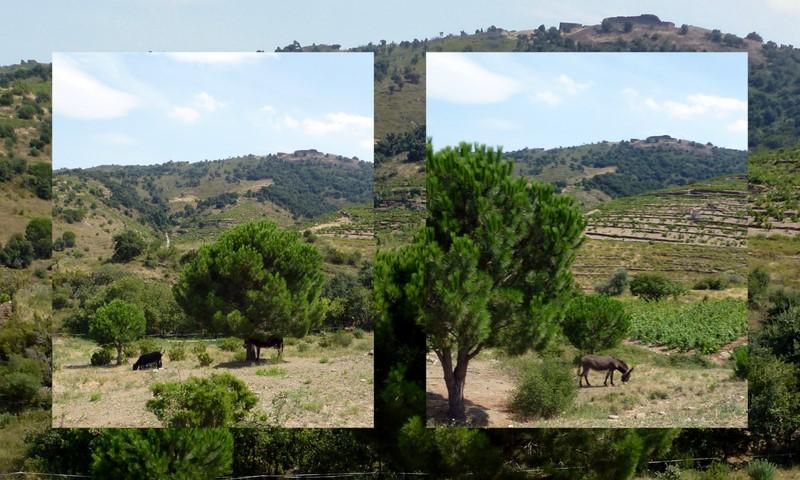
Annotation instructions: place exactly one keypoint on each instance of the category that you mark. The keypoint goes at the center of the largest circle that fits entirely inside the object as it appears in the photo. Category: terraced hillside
(775, 191)
(686, 233)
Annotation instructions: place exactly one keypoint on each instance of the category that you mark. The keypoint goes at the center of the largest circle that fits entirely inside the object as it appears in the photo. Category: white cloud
(116, 139)
(570, 85)
(183, 114)
(739, 126)
(77, 94)
(268, 109)
(206, 102)
(785, 6)
(547, 97)
(630, 92)
(454, 78)
(219, 58)
(697, 105)
(338, 122)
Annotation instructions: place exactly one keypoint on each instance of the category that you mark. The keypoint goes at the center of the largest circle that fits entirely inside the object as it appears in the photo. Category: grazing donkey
(272, 341)
(601, 363)
(148, 360)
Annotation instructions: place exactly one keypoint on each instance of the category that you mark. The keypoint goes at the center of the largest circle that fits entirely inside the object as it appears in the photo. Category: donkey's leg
(580, 377)
(586, 377)
(612, 377)
(605, 382)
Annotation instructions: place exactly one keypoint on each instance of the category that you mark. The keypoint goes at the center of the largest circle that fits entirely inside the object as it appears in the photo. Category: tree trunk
(251, 353)
(119, 354)
(455, 379)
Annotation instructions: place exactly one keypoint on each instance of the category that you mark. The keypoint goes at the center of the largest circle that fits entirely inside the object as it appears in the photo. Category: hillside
(598, 172)
(176, 207)
(687, 233)
(774, 103)
(775, 191)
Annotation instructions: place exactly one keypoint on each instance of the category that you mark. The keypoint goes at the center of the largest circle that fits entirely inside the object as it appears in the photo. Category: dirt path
(657, 396)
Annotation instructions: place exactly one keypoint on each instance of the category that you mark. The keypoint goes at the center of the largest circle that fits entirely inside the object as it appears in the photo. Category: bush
(761, 470)
(39, 232)
(101, 357)
(219, 400)
(18, 252)
(240, 356)
(654, 286)
(615, 285)
(716, 471)
(204, 358)
(595, 322)
(544, 390)
(69, 239)
(741, 361)
(20, 390)
(714, 282)
(339, 338)
(147, 345)
(230, 344)
(757, 283)
(127, 246)
(358, 333)
(198, 348)
(176, 353)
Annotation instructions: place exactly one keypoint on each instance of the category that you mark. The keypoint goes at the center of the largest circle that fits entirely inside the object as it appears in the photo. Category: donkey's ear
(630, 369)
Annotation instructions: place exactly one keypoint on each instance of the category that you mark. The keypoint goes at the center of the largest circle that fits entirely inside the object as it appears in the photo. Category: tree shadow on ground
(436, 406)
(245, 363)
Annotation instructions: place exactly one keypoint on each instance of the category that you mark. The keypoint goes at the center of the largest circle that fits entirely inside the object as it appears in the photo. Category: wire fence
(532, 472)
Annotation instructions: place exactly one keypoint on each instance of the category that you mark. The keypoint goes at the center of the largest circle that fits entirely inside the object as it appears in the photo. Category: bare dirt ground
(659, 394)
(318, 387)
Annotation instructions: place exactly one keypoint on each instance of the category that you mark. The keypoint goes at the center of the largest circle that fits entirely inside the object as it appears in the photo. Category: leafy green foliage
(741, 361)
(704, 326)
(219, 400)
(758, 281)
(595, 323)
(654, 286)
(176, 353)
(781, 334)
(230, 344)
(255, 278)
(69, 239)
(39, 232)
(204, 359)
(117, 323)
(20, 384)
(761, 469)
(544, 390)
(198, 453)
(127, 246)
(101, 358)
(18, 252)
(615, 285)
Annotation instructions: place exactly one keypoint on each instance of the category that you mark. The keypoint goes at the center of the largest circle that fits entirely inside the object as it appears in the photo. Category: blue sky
(518, 100)
(146, 108)
(35, 28)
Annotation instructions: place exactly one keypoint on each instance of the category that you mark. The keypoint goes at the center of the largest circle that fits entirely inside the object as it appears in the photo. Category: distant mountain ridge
(598, 172)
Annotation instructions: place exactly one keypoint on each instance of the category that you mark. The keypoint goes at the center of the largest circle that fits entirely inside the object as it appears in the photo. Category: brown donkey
(600, 364)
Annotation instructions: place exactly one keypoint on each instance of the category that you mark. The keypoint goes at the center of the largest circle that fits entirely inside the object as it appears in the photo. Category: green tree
(127, 245)
(615, 285)
(220, 400)
(39, 232)
(18, 252)
(654, 286)
(596, 322)
(255, 279)
(188, 454)
(117, 323)
(494, 261)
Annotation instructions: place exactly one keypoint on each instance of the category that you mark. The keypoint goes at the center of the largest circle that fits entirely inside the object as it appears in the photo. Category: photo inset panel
(213, 240)
(586, 261)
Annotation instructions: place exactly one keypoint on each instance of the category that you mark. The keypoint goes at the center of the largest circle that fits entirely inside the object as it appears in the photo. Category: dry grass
(296, 391)
(666, 390)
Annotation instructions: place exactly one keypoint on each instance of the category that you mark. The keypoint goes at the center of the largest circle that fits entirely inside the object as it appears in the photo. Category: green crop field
(705, 326)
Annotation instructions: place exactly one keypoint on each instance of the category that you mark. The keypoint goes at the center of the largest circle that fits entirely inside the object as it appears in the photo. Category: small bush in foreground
(761, 470)
(101, 357)
(204, 359)
(177, 353)
(219, 400)
(544, 390)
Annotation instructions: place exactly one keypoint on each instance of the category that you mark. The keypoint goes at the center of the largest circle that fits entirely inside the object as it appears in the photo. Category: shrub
(18, 252)
(596, 322)
(615, 285)
(654, 286)
(240, 356)
(69, 239)
(544, 389)
(177, 352)
(761, 470)
(20, 384)
(714, 282)
(101, 357)
(757, 283)
(219, 400)
(230, 344)
(339, 338)
(204, 358)
(198, 348)
(147, 345)
(358, 333)
(39, 233)
(716, 471)
(741, 361)
(127, 245)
